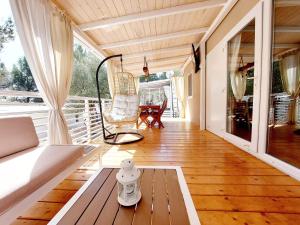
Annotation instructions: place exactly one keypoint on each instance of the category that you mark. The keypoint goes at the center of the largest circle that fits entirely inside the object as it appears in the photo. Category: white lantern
(128, 179)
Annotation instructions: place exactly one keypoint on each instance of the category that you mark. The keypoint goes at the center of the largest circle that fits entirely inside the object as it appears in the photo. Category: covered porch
(230, 175)
(228, 186)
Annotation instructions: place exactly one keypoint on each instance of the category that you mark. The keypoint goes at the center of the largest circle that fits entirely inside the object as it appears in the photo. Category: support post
(88, 118)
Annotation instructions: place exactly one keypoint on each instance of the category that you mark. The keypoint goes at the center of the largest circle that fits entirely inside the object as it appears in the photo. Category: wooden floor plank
(257, 180)
(30, 222)
(60, 196)
(245, 190)
(42, 210)
(247, 204)
(214, 169)
(233, 171)
(247, 218)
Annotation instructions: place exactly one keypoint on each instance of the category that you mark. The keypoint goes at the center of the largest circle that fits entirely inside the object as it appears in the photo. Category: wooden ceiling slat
(86, 11)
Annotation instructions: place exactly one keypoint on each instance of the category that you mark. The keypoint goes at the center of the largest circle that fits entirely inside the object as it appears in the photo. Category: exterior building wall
(240, 9)
(192, 103)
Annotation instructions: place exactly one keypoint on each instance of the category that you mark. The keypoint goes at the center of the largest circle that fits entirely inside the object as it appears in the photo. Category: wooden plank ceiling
(161, 30)
(286, 31)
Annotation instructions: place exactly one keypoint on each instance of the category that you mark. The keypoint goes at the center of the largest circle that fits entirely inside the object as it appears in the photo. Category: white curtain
(137, 83)
(290, 75)
(238, 80)
(178, 81)
(111, 70)
(47, 38)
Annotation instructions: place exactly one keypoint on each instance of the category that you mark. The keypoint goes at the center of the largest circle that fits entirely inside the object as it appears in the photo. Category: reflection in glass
(284, 107)
(240, 83)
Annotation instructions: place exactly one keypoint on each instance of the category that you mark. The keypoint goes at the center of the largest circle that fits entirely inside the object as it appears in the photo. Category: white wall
(192, 110)
(216, 81)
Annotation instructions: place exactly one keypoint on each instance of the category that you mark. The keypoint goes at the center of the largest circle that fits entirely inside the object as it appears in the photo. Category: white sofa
(28, 170)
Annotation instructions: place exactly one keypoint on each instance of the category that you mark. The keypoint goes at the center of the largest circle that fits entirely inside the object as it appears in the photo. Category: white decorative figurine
(128, 179)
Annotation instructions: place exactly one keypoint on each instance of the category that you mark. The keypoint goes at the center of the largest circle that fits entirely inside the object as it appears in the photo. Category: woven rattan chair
(124, 109)
(125, 103)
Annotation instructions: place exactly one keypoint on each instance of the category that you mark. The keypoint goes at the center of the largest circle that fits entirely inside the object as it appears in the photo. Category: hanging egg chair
(124, 109)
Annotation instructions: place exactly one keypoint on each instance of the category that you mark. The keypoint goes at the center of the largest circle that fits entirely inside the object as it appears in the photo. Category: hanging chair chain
(121, 64)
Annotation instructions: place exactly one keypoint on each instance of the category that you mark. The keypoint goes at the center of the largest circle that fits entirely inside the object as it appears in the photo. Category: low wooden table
(165, 200)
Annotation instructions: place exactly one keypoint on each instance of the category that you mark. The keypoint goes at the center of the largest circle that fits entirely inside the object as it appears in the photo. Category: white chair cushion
(124, 109)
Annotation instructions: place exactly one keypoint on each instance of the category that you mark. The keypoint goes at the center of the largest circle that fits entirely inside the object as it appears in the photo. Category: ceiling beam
(278, 46)
(152, 14)
(287, 29)
(285, 3)
(278, 29)
(154, 38)
(158, 51)
(162, 60)
(152, 65)
(156, 69)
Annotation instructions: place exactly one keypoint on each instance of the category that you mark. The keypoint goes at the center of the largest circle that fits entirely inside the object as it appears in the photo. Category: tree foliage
(22, 79)
(7, 32)
(84, 75)
(277, 86)
(4, 76)
(154, 77)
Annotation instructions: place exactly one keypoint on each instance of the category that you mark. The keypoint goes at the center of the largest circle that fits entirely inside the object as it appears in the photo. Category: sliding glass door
(243, 81)
(240, 82)
(283, 139)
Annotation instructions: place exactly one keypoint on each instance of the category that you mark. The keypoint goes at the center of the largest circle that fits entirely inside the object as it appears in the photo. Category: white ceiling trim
(156, 69)
(284, 3)
(152, 65)
(154, 38)
(278, 46)
(157, 51)
(152, 14)
(278, 29)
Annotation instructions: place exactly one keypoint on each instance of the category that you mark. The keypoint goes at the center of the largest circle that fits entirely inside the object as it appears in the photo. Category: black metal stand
(112, 138)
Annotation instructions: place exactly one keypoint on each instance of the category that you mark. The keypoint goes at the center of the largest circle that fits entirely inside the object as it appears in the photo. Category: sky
(12, 50)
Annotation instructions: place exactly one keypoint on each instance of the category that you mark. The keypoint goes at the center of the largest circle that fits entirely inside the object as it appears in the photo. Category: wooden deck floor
(228, 186)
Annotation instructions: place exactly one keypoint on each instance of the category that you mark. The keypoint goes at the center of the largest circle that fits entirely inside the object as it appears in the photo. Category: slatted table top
(165, 200)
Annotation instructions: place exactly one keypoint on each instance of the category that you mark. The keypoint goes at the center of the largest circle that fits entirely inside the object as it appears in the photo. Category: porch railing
(81, 113)
(280, 108)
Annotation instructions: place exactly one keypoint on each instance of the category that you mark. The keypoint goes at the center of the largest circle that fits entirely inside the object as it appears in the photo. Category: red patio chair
(156, 115)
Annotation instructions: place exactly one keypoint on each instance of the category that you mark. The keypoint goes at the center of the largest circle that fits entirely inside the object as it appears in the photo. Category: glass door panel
(284, 103)
(240, 83)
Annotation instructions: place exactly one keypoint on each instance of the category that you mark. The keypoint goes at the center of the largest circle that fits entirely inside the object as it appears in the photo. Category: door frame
(254, 14)
(265, 93)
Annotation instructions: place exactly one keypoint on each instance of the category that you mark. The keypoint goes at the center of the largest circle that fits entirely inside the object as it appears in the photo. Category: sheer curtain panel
(47, 38)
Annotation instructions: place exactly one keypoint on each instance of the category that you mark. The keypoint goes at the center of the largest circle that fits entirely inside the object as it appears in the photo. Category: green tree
(277, 86)
(7, 32)
(22, 79)
(154, 77)
(84, 74)
(4, 76)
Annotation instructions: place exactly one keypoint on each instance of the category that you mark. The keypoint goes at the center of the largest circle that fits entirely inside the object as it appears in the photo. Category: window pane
(284, 104)
(240, 82)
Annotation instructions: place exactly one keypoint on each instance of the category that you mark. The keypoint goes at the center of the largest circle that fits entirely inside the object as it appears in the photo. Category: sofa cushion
(26, 171)
(124, 109)
(16, 134)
